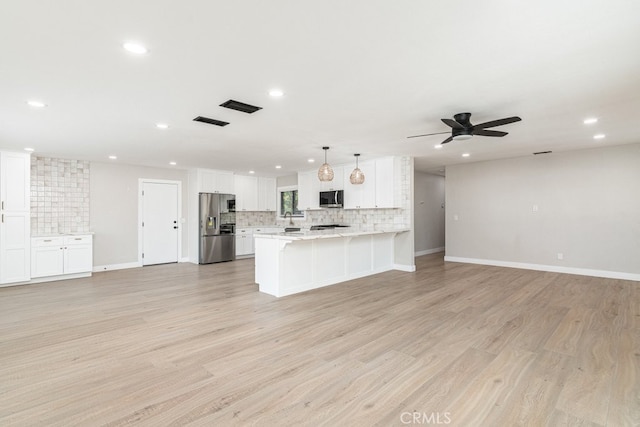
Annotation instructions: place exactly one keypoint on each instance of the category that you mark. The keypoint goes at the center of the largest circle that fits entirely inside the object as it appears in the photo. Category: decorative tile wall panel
(59, 196)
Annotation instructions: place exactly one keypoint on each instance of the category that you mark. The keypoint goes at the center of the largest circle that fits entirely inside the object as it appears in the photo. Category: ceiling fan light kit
(356, 177)
(462, 129)
(325, 173)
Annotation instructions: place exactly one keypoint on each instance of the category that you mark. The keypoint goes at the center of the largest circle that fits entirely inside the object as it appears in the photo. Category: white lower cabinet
(58, 255)
(244, 241)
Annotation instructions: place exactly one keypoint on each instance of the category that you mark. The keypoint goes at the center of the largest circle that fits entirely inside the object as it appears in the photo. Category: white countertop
(86, 233)
(326, 234)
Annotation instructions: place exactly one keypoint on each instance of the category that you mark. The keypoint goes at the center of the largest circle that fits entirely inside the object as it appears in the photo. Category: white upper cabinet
(308, 190)
(267, 194)
(15, 181)
(337, 183)
(386, 177)
(212, 181)
(378, 189)
(361, 196)
(246, 193)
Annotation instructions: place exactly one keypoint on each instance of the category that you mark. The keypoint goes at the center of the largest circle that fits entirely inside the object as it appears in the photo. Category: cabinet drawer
(77, 240)
(47, 241)
(244, 231)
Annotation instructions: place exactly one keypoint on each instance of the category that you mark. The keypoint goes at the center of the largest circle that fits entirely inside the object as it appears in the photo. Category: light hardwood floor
(183, 344)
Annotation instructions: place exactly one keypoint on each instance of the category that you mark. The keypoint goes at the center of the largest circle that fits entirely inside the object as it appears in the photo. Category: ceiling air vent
(240, 106)
(541, 152)
(210, 121)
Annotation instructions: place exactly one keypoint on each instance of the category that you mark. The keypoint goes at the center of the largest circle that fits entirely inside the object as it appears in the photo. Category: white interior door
(160, 223)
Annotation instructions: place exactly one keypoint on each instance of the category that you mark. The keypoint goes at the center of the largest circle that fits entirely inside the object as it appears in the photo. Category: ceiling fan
(461, 128)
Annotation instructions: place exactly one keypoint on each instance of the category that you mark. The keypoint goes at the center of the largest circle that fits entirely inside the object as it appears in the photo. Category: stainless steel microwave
(331, 199)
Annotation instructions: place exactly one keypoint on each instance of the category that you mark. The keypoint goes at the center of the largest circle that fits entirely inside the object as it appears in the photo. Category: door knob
(174, 227)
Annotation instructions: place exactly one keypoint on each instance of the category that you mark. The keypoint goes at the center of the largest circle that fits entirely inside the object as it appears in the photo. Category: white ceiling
(358, 76)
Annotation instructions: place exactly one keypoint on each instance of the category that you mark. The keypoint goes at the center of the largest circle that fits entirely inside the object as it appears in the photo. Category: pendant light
(325, 173)
(356, 177)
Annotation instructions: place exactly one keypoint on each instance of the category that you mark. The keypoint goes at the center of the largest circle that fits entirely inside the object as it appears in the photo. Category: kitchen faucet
(290, 217)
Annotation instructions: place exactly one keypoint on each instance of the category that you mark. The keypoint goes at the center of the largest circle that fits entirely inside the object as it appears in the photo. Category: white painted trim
(430, 251)
(407, 268)
(550, 268)
(141, 182)
(48, 279)
(99, 268)
(184, 259)
(6, 285)
(60, 277)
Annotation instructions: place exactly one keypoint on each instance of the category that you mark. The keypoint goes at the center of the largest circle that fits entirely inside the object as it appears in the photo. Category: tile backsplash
(59, 196)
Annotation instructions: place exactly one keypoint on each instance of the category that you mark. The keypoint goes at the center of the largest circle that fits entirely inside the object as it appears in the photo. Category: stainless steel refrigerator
(217, 228)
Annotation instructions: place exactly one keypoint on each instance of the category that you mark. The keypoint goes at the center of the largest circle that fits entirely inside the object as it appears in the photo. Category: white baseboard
(430, 251)
(60, 277)
(550, 268)
(184, 259)
(99, 268)
(403, 267)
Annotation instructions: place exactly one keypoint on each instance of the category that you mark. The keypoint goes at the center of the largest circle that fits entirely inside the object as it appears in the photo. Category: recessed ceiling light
(37, 104)
(113, 157)
(278, 167)
(29, 149)
(136, 48)
(252, 171)
(466, 155)
(437, 147)
(162, 126)
(590, 121)
(276, 93)
(311, 160)
(599, 136)
(172, 163)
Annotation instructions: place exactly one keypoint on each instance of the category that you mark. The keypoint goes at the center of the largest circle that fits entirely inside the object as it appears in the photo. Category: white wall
(428, 212)
(114, 210)
(588, 209)
(286, 181)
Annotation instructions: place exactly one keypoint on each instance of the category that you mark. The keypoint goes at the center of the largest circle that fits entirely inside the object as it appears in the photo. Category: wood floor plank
(532, 402)
(587, 390)
(491, 388)
(569, 331)
(440, 389)
(184, 344)
(624, 407)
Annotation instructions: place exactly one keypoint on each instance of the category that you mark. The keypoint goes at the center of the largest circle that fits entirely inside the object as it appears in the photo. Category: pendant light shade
(356, 177)
(325, 173)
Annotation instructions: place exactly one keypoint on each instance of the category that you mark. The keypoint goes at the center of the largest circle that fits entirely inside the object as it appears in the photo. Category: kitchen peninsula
(291, 262)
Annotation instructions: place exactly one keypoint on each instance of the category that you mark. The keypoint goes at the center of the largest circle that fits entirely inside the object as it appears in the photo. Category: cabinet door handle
(3, 205)
(3, 218)
(46, 241)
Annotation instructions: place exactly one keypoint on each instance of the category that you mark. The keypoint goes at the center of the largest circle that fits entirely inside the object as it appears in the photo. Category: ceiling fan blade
(485, 132)
(428, 134)
(452, 123)
(497, 123)
(447, 140)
